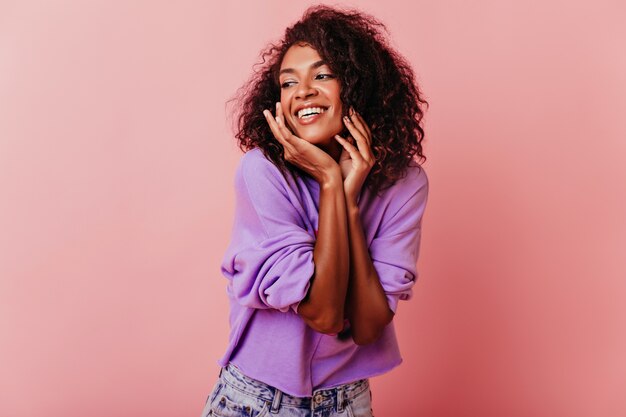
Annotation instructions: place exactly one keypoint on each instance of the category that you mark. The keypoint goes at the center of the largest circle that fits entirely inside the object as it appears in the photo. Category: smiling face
(309, 96)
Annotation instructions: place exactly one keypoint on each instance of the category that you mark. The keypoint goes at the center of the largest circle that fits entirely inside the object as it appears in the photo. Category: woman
(329, 205)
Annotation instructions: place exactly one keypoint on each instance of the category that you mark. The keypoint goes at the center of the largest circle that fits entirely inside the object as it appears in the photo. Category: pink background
(116, 202)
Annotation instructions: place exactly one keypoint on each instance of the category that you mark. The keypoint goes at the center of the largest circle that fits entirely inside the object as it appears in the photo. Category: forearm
(323, 307)
(366, 303)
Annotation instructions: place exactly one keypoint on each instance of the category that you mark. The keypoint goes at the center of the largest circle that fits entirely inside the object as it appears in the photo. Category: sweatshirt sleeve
(269, 261)
(395, 248)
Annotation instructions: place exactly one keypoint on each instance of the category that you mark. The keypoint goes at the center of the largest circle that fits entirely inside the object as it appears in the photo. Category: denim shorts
(237, 395)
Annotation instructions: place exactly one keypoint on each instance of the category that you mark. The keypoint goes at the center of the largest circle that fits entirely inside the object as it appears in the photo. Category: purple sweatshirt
(269, 263)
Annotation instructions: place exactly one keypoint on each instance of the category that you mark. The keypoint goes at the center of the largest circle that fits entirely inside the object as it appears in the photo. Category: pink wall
(116, 201)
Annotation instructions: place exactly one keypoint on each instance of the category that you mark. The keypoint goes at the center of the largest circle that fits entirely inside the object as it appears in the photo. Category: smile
(310, 111)
(310, 115)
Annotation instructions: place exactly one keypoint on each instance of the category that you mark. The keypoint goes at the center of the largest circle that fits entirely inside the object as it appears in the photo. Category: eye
(317, 77)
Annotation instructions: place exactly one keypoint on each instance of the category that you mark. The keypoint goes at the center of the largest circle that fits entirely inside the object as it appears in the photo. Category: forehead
(299, 57)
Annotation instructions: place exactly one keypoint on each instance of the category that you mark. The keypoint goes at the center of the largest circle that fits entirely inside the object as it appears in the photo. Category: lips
(307, 106)
(307, 118)
(305, 113)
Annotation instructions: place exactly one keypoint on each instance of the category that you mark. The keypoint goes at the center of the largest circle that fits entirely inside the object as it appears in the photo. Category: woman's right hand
(315, 161)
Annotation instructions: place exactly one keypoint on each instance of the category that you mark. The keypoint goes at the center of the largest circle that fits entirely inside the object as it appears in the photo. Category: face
(306, 82)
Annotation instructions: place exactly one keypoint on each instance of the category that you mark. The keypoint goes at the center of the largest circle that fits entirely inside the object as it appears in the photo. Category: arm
(385, 272)
(366, 303)
(269, 260)
(323, 307)
(367, 307)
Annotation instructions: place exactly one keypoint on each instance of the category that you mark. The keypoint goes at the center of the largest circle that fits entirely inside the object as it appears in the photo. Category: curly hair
(375, 79)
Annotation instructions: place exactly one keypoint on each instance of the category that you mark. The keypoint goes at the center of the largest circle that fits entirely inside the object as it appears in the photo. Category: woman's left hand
(355, 161)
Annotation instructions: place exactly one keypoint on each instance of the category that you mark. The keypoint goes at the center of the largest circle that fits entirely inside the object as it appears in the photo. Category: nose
(305, 90)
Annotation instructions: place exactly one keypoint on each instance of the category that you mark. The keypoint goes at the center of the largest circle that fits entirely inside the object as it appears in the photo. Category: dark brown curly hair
(375, 79)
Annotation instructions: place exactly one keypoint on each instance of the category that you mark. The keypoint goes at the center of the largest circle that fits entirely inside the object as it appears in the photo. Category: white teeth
(310, 110)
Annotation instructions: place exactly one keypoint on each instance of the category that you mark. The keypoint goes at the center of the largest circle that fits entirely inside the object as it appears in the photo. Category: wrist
(330, 179)
(353, 210)
(351, 200)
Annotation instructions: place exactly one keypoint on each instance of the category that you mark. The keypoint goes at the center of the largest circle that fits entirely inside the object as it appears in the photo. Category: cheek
(284, 98)
(336, 123)
(284, 103)
(336, 93)
(338, 104)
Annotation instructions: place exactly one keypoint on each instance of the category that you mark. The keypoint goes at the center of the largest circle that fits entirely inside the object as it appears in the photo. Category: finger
(360, 123)
(274, 127)
(280, 119)
(279, 112)
(356, 132)
(361, 141)
(351, 149)
(271, 121)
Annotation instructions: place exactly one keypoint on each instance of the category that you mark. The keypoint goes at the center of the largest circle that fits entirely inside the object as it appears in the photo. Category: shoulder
(258, 173)
(255, 161)
(415, 178)
(404, 203)
(413, 186)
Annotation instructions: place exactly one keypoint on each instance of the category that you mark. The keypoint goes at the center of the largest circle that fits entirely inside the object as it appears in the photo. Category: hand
(355, 162)
(298, 151)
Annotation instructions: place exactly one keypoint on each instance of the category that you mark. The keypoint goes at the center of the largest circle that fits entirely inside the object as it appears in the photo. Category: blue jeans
(236, 395)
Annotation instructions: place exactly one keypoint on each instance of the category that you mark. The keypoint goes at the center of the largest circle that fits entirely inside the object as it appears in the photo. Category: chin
(321, 137)
(318, 133)
(317, 139)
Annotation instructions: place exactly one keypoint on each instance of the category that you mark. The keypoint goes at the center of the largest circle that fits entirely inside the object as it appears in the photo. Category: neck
(334, 149)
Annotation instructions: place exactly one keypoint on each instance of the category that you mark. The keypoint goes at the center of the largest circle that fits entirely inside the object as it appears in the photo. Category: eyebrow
(314, 65)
